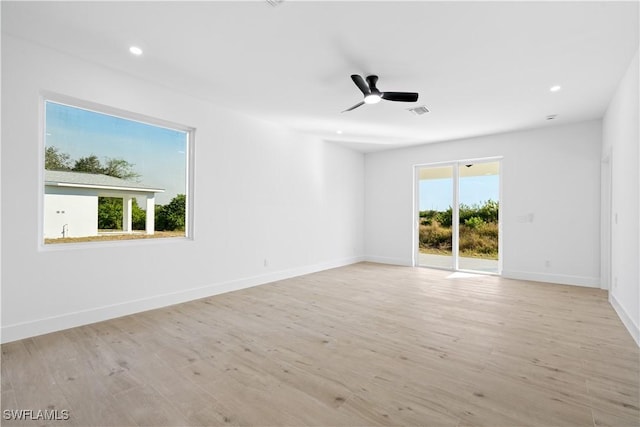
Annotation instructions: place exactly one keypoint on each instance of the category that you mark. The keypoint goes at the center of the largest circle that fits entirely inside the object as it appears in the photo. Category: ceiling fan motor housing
(371, 81)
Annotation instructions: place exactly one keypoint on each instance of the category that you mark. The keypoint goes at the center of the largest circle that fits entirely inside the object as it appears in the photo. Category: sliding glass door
(458, 216)
(479, 190)
(436, 216)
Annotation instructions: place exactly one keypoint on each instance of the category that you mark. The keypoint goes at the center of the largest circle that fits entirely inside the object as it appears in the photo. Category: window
(110, 175)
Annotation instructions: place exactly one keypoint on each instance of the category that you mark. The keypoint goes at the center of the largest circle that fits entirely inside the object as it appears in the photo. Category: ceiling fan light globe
(372, 99)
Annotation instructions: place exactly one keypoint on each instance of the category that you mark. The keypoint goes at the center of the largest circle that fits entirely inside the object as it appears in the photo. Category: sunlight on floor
(462, 275)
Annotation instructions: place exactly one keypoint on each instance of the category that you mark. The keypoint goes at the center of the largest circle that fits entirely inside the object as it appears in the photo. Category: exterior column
(151, 213)
(127, 210)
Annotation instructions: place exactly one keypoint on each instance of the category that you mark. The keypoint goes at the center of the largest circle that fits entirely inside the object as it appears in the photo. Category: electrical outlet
(547, 263)
(266, 262)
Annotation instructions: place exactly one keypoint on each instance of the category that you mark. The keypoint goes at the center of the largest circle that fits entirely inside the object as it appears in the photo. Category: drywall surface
(269, 203)
(550, 207)
(620, 143)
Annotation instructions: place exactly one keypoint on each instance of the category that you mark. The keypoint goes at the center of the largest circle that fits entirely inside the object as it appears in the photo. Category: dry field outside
(117, 236)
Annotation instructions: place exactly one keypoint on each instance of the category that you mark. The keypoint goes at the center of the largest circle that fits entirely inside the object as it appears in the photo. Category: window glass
(108, 177)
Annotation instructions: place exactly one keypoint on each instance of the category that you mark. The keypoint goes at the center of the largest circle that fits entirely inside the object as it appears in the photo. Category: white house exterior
(71, 202)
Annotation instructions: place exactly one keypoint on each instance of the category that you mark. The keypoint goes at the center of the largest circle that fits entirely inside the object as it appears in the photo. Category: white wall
(620, 142)
(75, 208)
(261, 193)
(552, 173)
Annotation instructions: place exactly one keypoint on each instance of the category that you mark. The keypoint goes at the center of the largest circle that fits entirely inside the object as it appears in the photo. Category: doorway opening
(458, 216)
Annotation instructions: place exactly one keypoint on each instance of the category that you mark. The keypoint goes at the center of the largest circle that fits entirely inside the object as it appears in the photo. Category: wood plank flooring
(366, 344)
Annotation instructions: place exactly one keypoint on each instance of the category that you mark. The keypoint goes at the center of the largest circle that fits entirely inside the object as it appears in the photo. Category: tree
(159, 221)
(54, 160)
(173, 215)
(445, 218)
(490, 211)
(109, 213)
(90, 164)
(119, 168)
(138, 216)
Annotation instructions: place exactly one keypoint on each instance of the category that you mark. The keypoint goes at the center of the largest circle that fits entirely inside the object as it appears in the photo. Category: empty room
(331, 213)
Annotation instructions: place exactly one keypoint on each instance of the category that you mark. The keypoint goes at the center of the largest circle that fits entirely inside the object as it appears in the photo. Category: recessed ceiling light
(339, 132)
(555, 88)
(135, 50)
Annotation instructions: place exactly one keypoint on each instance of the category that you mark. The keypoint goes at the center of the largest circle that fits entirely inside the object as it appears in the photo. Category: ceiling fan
(372, 95)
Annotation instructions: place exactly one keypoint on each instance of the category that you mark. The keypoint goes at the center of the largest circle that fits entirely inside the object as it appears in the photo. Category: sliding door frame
(455, 221)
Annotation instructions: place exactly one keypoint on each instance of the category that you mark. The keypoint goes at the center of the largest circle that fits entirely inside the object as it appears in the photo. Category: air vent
(274, 3)
(419, 110)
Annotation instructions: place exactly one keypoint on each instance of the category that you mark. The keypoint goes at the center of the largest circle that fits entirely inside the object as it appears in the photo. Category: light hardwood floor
(366, 344)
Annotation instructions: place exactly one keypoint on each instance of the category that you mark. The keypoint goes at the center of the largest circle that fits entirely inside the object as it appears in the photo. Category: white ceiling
(480, 67)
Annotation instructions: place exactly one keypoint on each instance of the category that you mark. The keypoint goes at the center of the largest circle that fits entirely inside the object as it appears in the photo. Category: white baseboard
(385, 260)
(591, 282)
(563, 279)
(84, 317)
(627, 321)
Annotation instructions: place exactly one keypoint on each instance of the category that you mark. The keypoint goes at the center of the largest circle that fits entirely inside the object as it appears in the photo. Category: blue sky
(437, 194)
(158, 154)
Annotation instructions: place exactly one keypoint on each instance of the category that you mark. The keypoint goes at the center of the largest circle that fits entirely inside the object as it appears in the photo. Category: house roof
(97, 181)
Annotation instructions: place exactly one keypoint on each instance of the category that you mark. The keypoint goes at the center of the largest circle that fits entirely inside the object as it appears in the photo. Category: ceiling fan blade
(354, 107)
(371, 81)
(400, 96)
(359, 81)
